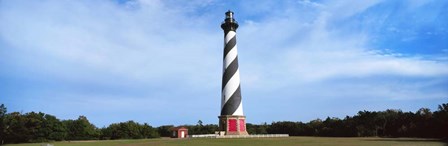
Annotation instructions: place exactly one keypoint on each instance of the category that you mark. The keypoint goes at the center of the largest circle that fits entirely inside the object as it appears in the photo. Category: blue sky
(160, 62)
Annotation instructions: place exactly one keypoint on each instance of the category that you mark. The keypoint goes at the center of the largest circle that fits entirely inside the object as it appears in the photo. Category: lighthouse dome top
(229, 14)
(229, 23)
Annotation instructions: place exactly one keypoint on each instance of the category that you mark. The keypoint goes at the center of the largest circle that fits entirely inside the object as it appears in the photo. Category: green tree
(287, 127)
(316, 127)
(54, 129)
(365, 123)
(3, 111)
(129, 130)
(199, 128)
(16, 128)
(148, 131)
(132, 130)
(81, 129)
(113, 131)
(209, 128)
(105, 133)
(35, 127)
(164, 130)
(256, 129)
(440, 121)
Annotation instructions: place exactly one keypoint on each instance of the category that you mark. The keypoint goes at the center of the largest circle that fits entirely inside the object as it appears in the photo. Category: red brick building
(179, 132)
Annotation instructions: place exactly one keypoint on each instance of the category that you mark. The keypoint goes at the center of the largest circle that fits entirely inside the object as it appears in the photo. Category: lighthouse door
(182, 134)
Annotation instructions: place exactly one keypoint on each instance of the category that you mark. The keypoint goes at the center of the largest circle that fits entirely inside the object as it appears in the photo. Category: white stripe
(234, 82)
(230, 87)
(230, 57)
(239, 110)
(229, 36)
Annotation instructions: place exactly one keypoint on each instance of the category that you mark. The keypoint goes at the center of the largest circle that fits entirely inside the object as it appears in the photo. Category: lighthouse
(232, 119)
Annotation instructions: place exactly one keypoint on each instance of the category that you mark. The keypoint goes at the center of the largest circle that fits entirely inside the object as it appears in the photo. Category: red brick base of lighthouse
(233, 125)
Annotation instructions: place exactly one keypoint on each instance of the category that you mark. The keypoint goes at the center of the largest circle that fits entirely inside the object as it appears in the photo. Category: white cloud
(140, 43)
(299, 52)
(343, 9)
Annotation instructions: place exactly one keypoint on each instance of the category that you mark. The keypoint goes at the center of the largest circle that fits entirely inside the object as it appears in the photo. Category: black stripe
(229, 46)
(229, 72)
(232, 104)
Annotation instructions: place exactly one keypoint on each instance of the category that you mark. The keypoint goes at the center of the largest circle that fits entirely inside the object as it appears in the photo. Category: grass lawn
(290, 141)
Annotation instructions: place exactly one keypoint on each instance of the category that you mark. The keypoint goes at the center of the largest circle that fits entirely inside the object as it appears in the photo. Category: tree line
(390, 123)
(16, 127)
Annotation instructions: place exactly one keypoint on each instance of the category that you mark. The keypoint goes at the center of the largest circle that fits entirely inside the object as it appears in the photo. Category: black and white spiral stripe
(231, 103)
